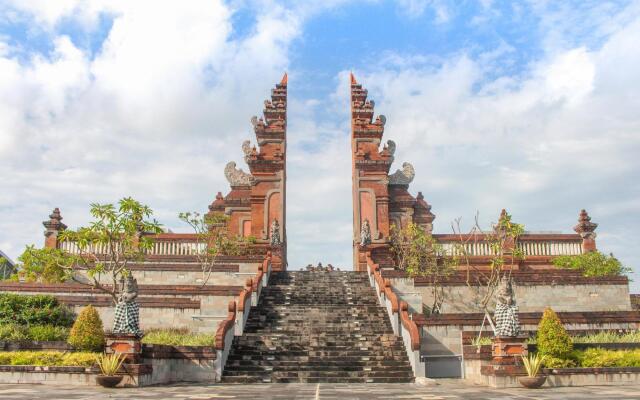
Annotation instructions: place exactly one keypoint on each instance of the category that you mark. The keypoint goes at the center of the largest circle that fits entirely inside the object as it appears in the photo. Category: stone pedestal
(127, 344)
(507, 350)
(506, 361)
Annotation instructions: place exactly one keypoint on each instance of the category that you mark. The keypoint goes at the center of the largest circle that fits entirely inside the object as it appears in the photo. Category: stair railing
(224, 338)
(238, 314)
(244, 306)
(403, 325)
(411, 338)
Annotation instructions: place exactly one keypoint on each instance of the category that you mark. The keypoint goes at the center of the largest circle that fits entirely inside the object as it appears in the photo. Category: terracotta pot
(532, 382)
(108, 381)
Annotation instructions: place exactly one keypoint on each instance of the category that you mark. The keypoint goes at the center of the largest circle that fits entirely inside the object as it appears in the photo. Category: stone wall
(530, 297)
(197, 308)
(204, 320)
(447, 338)
(556, 377)
(160, 365)
(189, 274)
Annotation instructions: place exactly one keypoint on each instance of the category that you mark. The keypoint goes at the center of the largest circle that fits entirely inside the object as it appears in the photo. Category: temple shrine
(273, 323)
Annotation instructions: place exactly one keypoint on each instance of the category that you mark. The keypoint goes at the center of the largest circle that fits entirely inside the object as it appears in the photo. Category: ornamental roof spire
(55, 221)
(585, 227)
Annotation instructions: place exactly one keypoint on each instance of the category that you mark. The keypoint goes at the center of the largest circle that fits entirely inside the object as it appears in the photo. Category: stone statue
(275, 233)
(365, 233)
(403, 176)
(127, 313)
(237, 177)
(506, 315)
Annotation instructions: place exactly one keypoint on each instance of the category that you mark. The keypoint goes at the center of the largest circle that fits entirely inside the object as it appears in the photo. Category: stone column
(53, 226)
(586, 229)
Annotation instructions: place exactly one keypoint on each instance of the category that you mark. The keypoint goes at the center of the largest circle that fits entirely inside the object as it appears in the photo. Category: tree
(213, 239)
(118, 236)
(419, 255)
(503, 244)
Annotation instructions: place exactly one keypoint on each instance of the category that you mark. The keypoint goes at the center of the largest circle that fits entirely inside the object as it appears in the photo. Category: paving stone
(442, 389)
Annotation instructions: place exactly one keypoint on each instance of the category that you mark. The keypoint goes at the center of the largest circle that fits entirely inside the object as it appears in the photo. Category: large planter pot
(108, 381)
(532, 382)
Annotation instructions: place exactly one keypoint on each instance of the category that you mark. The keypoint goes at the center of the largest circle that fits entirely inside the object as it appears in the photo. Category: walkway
(443, 390)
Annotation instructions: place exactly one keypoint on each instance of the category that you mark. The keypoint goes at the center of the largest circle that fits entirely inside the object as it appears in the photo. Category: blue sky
(530, 105)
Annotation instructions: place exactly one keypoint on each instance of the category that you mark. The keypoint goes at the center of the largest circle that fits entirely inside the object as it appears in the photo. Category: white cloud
(416, 8)
(155, 113)
(166, 102)
(562, 137)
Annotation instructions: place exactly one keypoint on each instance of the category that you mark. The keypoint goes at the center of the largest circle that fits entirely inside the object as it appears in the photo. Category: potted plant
(109, 365)
(532, 364)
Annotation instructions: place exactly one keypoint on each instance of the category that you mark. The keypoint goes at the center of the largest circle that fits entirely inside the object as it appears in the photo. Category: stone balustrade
(530, 244)
(403, 325)
(233, 324)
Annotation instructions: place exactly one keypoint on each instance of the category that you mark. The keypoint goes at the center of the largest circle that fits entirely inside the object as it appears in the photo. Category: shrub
(533, 363)
(14, 333)
(609, 337)
(33, 310)
(109, 364)
(555, 362)
(177, 337)
(599, 358)
(593, 264)
(47, 333)
(81, 358)
(87, 332)
(552, 339)
(47, 358)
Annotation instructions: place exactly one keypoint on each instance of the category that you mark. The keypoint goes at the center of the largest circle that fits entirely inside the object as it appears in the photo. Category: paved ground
(441, 390)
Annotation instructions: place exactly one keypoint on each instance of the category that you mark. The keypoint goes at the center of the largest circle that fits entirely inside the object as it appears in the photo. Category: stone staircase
(318, 327)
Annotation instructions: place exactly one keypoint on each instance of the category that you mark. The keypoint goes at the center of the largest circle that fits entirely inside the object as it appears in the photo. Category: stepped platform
(312, 327)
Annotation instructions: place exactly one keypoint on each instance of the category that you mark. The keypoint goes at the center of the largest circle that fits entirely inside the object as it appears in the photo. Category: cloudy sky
(531, 106)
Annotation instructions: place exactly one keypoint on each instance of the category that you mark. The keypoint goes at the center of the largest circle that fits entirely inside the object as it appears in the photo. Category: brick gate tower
(379, 198)
(256, 204)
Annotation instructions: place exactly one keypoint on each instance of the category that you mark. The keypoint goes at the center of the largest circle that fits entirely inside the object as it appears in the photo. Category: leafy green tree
(118, 235)
(6, 269)
(593, 264)
(44, 265)
(420, 255)
(213, 239)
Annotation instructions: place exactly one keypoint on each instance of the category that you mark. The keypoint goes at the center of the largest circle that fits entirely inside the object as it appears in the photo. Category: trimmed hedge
(178, 337)
(49, 333)
(600, 358)
(34, 310)
(48, 358)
